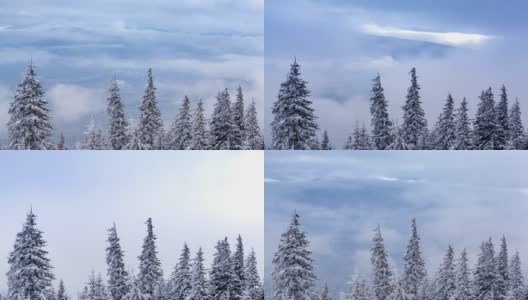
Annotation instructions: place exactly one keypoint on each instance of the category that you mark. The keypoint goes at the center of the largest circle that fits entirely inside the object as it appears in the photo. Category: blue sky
(458, 47)
(458, 198)
(192, 197)
(195, 48)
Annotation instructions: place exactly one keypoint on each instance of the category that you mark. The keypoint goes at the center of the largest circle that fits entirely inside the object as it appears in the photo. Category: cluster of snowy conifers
(231, 126)
(496, 126)
(231, 276)
(495, 276)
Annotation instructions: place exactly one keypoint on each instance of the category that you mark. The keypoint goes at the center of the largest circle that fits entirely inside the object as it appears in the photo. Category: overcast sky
(458, 47)
(196, 48)
(193, 197)
(457, 198)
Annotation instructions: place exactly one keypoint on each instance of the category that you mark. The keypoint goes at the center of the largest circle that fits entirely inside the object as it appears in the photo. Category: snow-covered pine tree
(501, 113)
(253, 139)
(96, 288)
(116, 114)
(398, 142)
(150, 271)
(200, 135)
(427, 290)
(414, 270)
(61, 293)
(94, 138)
(29, 123)
(253, 289)
(381, 124)
(29, 276)
(485, 124)
(238, 270)
(413, 114)
(348, 143)
(181, 280)
(150, 121)
(325, 144)
(294, 123)
(359, 290)
(324, 294)
(222, 124)
(445, 127)
(239, 129)
(180, 133)
(426, 140)
(517, 289)
(446, 277)
(486, 272)
(50, 293)
(293, 272)
(134, 141)
(134, 292)
(381, 272)
(117, 275)
(503, 270)
(398, 292)
(517, 135)
(60, 143)
(463, 134)
(199, 286)
(221, 276)
(463, 284)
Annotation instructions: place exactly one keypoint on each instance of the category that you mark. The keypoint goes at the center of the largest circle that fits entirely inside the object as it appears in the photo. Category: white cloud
(71, 102)
(445, 38)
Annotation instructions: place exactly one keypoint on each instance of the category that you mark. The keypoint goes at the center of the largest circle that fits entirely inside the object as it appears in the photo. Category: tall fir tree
(221, 276)
(150, 271)
(200, 135)
(253, 289)
(503, 272)
(222, 124)
(61, 293)
(325, 144)
(414, 270)
(381, 272)
(238, 120)
(29, 125)
(180, 134)
(413, 114)
(463, 289)
(293, 271)
(359, 290)
(486, 272)
(253, 139)
(445, 127)
(116, 114)
(446, 287)
(181, 278)
(29, 276)
(398, 292)
(199, 285)
(134, 292)
(485, 124)
(60, 143)
(517, 135)
(239, 276)
(150, 121)
(294, 122)
(381, 124)
(517, 285)
(463, 134)
(501, 114)
(117, 275)
(324, 294)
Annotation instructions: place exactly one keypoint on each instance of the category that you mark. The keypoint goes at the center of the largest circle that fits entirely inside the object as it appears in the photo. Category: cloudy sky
(458, 198)
(192, 197)
(457, 47)
(195, 48)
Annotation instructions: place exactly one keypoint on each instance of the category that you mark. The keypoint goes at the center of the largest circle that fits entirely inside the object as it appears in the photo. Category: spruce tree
(150, 271)
(222, 124)
(117, 120)
(485, 124)
(381, 124)
(181, 280)
(117, 275)
(348, 143)
(135, 292)
(463, 134)
(93, 139)
(253, 139)
(517, 286)
(29, 123)
(150, 116)
(180, 134)
(445, 127)
(486, 272)
(413, 115)
(61, 293)
(238, 270)
(199, 287)
(253, 289)
(221, 276)
(293, 272)
(398, 292)
(239, 129)
(200, 135)
(503, 270)
(325, 144)
(381, 272)
(398, 141)
(517, 135)
(60, 144)
(501, 113)
(29, 276)
(359, 290)
(446, 288)
(324, 294)
(463, 282)
(134, 141)
(413, 264)
(294, 123)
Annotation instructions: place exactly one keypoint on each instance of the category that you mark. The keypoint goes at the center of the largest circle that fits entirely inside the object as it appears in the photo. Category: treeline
(496, 276)
(232, 126)
(495, 126)
(232, 276)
